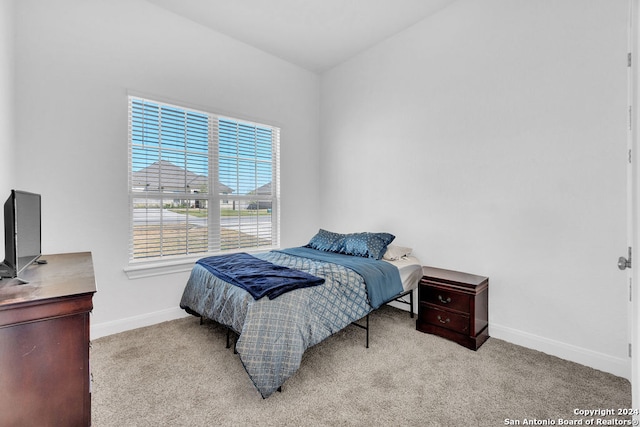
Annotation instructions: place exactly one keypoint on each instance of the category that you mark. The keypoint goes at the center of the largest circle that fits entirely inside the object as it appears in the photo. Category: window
(200, 183)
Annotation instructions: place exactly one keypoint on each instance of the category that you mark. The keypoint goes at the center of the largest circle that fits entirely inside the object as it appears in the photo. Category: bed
(273, 333)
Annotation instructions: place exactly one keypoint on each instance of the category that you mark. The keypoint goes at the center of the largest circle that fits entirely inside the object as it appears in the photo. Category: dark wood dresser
(44, 343)
(454, 305)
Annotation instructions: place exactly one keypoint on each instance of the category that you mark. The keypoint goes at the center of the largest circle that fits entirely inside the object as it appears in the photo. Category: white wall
(7, 138)
(75, 63)
(491, 138)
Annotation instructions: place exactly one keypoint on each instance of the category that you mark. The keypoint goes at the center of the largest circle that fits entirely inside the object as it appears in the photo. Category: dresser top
(63, 275)
(454, 277)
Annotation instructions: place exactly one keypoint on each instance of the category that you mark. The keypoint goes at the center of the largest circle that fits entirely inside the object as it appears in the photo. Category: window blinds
(200, 183)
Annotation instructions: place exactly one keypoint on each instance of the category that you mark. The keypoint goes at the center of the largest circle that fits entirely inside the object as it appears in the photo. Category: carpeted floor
(179, 373)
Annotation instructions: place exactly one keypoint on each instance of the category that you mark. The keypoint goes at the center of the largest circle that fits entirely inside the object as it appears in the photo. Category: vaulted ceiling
(314, 34)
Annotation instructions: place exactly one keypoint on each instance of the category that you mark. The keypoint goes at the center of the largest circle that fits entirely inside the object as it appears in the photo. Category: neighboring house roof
(263, 190)
(173, 178)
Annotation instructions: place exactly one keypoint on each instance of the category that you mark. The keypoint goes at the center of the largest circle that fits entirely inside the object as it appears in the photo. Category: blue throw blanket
(381, 278)
(258, 277)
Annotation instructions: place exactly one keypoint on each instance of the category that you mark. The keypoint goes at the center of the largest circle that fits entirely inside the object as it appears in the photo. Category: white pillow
(394, 252)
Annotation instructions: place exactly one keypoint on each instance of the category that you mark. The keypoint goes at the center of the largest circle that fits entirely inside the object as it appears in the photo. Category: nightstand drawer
(450, 300)
(445, 319)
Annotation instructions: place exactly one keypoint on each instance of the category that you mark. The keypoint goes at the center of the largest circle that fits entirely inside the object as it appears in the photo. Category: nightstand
(454, 305)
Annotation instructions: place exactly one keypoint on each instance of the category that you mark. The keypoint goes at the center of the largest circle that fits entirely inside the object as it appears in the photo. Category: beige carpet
(179, 373)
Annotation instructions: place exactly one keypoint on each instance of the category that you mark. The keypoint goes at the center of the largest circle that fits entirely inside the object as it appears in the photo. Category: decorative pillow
(327, 241)
(367, 245)
(394, 252)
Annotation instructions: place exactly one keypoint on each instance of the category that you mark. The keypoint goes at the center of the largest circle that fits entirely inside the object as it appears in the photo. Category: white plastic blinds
(184, 162)
(247, 163)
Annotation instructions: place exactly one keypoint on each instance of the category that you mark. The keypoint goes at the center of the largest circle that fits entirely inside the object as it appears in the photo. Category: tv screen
(22, 232)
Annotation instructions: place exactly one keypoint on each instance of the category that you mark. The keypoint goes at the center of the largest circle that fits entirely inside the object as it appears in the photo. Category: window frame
(164, 264)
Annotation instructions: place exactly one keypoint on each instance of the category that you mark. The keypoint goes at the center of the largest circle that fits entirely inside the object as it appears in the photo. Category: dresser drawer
(445, 319)
(450, 300)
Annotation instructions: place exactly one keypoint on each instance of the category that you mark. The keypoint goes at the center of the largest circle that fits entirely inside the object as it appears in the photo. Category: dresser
(454, 305)
(44, 343)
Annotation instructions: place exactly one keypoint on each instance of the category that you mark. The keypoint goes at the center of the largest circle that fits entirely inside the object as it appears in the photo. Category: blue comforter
(381, 278)
(273, 334)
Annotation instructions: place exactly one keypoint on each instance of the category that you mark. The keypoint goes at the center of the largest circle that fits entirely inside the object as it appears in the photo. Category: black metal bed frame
(399, 298)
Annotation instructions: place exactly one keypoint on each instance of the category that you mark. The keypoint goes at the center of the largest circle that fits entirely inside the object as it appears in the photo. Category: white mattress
(410, 271)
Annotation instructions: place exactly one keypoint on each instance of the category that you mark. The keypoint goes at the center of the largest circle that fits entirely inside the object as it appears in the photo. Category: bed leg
(367, 331)
(235, 351)
(201, 320)
(411, 303)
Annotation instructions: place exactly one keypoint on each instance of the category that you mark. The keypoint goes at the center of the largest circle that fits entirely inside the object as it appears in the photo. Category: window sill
(142, 269)
(159, 268)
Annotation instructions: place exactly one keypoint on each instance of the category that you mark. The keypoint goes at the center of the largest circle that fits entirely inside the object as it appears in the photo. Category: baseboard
(400, 305)
(617, 366)
(103, 329)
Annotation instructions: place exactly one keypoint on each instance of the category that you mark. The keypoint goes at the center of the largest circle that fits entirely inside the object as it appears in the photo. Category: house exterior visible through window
(200, 183)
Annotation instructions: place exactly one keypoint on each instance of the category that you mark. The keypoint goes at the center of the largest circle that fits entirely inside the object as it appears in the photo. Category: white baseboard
(617, 366)
(399, 305)
(109, 328)
(620, 367)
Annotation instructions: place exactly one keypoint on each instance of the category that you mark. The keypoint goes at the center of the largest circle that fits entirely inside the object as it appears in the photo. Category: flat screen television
(22, 232)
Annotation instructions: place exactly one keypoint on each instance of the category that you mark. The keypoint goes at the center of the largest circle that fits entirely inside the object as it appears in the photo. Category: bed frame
(400, 298)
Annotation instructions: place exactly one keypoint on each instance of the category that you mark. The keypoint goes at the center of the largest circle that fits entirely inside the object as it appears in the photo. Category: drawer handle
(445, 321)
(444, 300)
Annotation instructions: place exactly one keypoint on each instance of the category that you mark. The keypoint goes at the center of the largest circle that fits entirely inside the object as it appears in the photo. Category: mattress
(410, 271)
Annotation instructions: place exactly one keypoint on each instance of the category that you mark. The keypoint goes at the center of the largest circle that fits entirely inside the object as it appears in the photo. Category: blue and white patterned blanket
(275, 333)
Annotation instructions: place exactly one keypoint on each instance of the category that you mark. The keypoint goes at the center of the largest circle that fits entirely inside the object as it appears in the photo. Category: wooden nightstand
(454, 305)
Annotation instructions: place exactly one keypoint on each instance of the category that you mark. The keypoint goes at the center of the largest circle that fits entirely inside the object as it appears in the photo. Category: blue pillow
(327, 241)
(368, 245)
